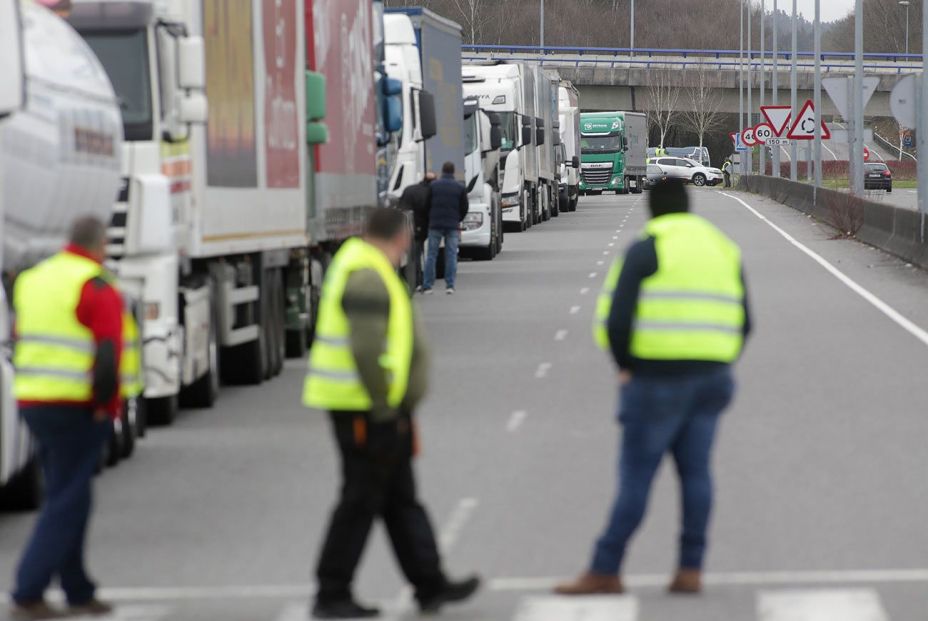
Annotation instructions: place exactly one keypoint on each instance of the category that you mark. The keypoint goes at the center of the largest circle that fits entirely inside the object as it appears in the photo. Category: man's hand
(625, 377)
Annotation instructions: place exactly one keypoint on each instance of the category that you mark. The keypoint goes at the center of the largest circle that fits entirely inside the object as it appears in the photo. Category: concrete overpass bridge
(618, 78)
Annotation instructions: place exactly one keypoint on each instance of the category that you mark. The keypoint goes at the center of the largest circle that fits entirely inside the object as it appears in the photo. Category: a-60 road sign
(763, 133)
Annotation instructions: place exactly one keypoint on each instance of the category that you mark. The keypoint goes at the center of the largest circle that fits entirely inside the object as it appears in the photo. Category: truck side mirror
(575, 161)
(624, 143)
(12, 61)
(392, 104)
(527, 133)
(192, 108)
(428, 124)
(191, 60)
(539, 131)
(316, 131)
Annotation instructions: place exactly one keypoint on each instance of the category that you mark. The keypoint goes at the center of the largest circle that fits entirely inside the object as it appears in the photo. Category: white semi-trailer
(212, 216)
(60, 149)
(509, 91)
(569, 105)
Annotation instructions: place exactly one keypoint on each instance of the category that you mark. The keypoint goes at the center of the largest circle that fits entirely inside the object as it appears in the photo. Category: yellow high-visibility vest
(54, 352)
(692, 308)
(131, 383)
(332, 382)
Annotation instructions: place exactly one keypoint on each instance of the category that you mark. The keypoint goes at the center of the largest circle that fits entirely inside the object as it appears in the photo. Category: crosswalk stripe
(600, 608)
(830, 605)
(294, 612)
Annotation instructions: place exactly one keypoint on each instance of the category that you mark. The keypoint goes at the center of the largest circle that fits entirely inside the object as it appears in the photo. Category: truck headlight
(510, 200)
(472, 221)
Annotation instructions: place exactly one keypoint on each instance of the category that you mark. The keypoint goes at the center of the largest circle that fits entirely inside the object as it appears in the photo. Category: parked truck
(211, 218)
(482, 229)
(613, 152)
(423, 51)
(569, 107)
(509, 91)
(60, 150)
(547, 139)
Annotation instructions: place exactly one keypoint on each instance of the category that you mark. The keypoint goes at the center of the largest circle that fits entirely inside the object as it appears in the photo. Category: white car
(689, 170)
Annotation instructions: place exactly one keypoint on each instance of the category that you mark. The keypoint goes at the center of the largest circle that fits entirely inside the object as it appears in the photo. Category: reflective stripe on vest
(604, 306)
(692, 308)
(131, 383)
(54, 352)
(332, 381)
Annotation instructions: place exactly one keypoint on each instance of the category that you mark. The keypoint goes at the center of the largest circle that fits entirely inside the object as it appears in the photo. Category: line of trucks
(232, 145)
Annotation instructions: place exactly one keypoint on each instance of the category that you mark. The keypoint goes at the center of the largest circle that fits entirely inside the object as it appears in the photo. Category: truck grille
(597, 176)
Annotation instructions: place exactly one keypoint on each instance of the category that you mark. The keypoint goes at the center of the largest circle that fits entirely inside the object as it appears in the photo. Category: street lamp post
(763, 79)
(906, 4)
(742, 158)
(776, 80)
(631, 35)
(541, 28)
(793, 102)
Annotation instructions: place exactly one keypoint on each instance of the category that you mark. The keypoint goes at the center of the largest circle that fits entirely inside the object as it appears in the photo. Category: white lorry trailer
(569, 107)
(547, 139)
(212, 215)
(423, 51)
(482, 229)
(509, 91)
(60, 150)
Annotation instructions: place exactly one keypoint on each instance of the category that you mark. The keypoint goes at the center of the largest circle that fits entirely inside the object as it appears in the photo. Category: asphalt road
(820, 465)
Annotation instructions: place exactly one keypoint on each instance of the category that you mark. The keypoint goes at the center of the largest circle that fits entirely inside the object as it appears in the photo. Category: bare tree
(705, 102)
(474, 15)
(664, 96)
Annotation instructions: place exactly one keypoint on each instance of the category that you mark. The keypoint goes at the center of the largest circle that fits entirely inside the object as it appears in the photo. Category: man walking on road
(69, 329)
(417, 198)
(675, 316)
(447, 210)
(368, 368)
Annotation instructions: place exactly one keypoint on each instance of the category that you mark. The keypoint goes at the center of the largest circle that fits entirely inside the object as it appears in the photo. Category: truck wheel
(25, 490)
(115, 446)
(162, 411)
(203, 392)
(130, 427)
(276, 323)
(573, 204)
(554, 201)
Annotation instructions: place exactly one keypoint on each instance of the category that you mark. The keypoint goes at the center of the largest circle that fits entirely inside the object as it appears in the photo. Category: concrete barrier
(901, 232)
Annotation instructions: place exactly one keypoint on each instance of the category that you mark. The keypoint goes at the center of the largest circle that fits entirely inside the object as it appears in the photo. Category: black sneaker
(451, 592)
(345, 609)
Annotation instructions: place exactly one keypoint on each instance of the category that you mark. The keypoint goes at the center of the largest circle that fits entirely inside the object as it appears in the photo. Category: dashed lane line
(542, 371)
(574, 310)
(516, 420)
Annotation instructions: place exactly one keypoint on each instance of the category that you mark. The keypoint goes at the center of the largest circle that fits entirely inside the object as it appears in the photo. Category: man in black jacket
(447, 208)
(417, 198)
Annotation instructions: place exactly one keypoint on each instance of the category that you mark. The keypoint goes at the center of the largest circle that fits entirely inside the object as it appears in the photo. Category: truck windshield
(600, 144)
(470, 134)
(510, 129)
(124, 55)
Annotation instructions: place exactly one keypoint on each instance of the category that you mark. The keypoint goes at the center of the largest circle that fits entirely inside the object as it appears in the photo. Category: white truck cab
(482, 233)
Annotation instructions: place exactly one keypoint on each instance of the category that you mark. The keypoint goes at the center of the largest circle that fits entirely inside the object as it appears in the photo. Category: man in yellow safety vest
(68, 359)
(368, 369)
(674, 315)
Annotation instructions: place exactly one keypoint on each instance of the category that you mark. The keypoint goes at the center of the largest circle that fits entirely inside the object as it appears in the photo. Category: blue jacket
(448, 204)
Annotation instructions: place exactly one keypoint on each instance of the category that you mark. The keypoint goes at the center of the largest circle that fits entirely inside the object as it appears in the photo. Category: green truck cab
(613, 150)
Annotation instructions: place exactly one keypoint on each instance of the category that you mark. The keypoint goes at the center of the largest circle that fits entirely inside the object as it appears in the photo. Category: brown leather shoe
(591, 584)
(687, 581)
(93, 608)
(34, 611)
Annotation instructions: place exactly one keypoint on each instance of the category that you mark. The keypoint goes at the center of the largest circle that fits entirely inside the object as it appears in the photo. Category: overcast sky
(831, 9)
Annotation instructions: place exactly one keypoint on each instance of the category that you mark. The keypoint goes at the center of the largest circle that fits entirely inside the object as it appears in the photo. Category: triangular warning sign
(778, 117)
(804, 126)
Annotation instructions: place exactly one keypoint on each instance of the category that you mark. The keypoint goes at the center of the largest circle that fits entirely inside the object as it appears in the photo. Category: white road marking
(294, 612)
(516, 420)
(605, 253)
(602, 608)
(611, 244)
(592, 274)
(741, 578)
(542, 371)
(456, 523)
(876, 302)
(614, 237)
(584, 291)
(600, 263)
(560, 335)
(838, 605)
(574, 310)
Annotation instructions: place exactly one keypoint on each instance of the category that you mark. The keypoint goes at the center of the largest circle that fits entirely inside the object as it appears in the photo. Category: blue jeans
(452, 238)
(70, 442)
(665, 415)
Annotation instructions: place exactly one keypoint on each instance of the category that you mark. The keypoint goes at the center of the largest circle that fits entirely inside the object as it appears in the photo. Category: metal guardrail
(686, 53)
(670, 61)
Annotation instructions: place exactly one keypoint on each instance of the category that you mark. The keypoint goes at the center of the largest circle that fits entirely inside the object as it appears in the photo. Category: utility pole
(763, 79)
(631, 20)
(541, 29)
(793, 150)
(750, 83)
(922, 120)
(857, 152)
(742, 157)
(776, 79)
(906, 4)
(818, 95)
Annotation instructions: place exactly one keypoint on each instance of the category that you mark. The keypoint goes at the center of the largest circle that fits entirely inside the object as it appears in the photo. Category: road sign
(866, 154)
(739, 145)
(804, 126)
(747, 137)
(907, 140)
(839, 89)
(778, 142)
(902, 102)
(763, 133)
(777, 117)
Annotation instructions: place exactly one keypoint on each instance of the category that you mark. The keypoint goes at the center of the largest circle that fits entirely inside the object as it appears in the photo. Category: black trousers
(377, 481)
